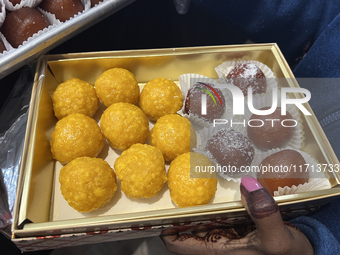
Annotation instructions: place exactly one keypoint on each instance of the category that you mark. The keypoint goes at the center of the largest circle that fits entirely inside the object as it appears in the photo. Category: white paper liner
(186, 81)
(7, 45)
(317, 180)
(205, 134)
(86, 4)
(51, 18)
(2, 12)
(54, 23)
(100, 2)
(23, 3)
(223, 69)
(263, 100)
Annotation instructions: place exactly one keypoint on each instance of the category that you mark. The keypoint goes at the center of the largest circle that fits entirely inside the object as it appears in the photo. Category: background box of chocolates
(29, 28)
(45, 216)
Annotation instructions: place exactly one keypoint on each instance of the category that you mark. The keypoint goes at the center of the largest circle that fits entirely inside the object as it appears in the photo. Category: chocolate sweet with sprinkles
(247, 75)
(231, 150)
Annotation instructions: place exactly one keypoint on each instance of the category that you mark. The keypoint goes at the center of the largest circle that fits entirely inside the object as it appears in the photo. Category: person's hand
(271, 236)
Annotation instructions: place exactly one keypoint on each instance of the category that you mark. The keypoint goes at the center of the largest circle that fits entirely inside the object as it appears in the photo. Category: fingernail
(250, 183)
(260, 203)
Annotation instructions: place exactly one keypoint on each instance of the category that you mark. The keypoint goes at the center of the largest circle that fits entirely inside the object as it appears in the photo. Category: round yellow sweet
(87, 183)
(173, 135)
(76, 135)
(188, 191)
(117, 85)
(123, 125)
(141, 171)
(160, 97)
(74, 96)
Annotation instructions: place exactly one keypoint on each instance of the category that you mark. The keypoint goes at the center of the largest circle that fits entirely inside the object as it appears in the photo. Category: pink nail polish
(250, 183)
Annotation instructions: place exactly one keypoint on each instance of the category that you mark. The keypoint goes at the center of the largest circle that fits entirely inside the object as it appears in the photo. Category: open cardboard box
(44, 220)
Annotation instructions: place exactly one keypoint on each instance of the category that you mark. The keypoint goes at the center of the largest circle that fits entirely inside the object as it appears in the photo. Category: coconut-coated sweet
(247, 75)
(231, 150)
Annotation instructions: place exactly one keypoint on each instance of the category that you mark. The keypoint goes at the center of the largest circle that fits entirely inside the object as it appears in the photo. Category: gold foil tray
(41, 210)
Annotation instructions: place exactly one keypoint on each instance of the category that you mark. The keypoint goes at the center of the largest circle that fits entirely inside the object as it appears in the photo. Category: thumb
(264, 211)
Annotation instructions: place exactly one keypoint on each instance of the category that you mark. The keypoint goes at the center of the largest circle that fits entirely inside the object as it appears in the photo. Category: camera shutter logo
(204, 97)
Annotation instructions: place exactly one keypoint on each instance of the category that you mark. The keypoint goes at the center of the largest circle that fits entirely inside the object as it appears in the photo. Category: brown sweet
(2, 47)
(272, 134)
(62, 9)
(193, 102)
(23, 23)
(248, 75)
(231, 150)
(285, 162)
